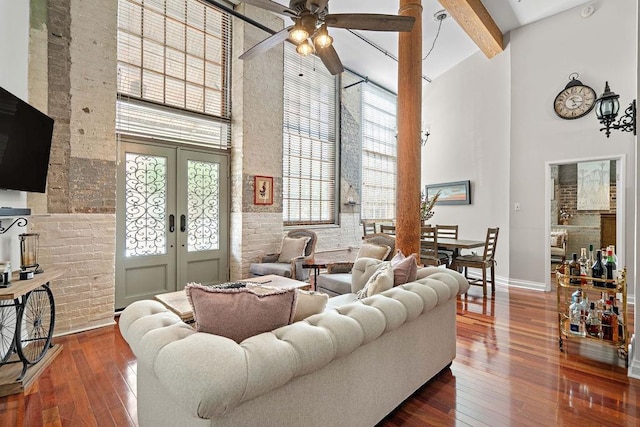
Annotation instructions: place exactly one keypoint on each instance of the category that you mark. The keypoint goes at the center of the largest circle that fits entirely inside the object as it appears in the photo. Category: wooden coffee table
(179, 304)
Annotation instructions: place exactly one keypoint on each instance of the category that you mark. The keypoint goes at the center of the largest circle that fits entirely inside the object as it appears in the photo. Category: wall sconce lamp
(424, 136)
(607, 107)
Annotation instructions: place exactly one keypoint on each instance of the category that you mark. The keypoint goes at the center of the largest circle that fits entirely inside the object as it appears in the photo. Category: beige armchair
(291, 266)
(341, 277)
(558, 243)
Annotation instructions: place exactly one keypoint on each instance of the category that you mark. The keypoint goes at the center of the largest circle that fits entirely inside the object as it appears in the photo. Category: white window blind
(173, 53)
(379, 153)
(309, 141)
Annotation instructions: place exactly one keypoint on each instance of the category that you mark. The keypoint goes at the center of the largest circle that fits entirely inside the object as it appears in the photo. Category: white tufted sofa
(348, 366)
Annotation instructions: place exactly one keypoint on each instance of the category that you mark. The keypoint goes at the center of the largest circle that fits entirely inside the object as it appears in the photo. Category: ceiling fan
(309, 32)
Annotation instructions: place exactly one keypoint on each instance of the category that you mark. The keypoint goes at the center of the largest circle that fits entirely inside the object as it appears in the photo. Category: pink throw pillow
(405, 271)
(239, 313)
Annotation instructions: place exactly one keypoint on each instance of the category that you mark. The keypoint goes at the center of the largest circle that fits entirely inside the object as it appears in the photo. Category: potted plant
(426, 206)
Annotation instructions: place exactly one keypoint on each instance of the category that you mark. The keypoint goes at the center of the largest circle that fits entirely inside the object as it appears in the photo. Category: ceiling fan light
(322, 38)
(304, 48)
(298, 34)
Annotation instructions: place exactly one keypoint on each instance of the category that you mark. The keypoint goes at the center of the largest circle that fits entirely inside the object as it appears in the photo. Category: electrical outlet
(516, 206)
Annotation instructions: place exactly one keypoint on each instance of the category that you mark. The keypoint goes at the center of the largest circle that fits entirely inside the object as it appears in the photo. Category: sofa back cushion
(239, 313)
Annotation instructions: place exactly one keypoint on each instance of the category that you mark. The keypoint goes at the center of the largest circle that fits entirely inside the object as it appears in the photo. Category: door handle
(183, 223)
(172, 223)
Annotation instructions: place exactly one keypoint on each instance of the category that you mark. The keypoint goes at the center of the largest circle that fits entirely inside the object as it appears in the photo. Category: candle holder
(29, 243)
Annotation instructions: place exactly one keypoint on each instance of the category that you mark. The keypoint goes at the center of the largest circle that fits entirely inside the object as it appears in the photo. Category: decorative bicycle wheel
(35, 324)
(8, 323)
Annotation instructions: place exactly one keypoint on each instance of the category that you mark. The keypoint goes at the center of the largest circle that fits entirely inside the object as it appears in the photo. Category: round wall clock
(575, 100)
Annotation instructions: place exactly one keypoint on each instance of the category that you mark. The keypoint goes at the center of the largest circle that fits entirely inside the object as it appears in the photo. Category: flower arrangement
(426, 205)
(564, 215)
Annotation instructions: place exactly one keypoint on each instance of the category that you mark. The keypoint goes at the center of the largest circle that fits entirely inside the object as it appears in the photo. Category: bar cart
(616, 288)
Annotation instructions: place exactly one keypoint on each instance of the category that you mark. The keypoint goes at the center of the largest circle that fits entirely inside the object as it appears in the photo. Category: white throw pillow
(371, 250)
(292, 248)
(309, 303)
(379, 281)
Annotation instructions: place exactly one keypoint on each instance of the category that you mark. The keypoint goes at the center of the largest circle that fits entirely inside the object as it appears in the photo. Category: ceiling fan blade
(330, 59)
(267, 44)
(271, 6)
(370, 21)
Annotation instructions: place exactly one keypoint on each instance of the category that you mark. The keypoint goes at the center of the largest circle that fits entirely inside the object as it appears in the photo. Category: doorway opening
(585, 202)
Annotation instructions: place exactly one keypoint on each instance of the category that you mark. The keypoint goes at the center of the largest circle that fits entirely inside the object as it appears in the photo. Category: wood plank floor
(508, 371)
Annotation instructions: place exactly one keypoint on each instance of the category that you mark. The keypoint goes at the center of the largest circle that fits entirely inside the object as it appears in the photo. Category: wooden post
(409, 124)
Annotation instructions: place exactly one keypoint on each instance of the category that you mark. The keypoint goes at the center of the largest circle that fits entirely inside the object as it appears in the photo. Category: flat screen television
(25, 145)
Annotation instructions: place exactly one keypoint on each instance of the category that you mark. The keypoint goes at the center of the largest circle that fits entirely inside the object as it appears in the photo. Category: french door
(172, 221)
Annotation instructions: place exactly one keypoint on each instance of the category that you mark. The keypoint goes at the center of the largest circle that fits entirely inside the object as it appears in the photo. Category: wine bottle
(611, 268)
(598, 270)
(574, 270)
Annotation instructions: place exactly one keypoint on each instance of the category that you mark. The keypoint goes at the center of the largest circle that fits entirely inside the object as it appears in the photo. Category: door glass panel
(145, 205)
(203, 206)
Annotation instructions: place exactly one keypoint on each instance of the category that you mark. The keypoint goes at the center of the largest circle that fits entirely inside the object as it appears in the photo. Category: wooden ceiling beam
(475, 20)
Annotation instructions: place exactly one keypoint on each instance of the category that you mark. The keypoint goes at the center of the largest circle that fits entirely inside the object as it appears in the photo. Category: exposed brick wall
(83, 247)
(76, 85)
(59, 57)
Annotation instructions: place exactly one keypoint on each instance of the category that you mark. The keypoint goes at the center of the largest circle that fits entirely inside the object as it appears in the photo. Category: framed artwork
(263, 190)
(451, 193)
(593, 186)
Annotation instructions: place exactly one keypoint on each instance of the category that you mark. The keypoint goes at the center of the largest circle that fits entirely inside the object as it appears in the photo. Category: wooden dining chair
(368, 228)
(447, 232)
(429, 253)
(388, 229)
(487, 260)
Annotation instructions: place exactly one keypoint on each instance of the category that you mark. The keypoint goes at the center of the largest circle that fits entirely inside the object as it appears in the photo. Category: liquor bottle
(616, 311)
(574, 270)
(591, 255)
(611, 269)
(576, 326)
(593, 322)
(607, 333)
(584, 267)
(609, 323)
(598, 270)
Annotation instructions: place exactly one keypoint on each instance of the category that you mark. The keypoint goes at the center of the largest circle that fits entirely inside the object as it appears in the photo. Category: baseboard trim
(510, 283)
(86, 328)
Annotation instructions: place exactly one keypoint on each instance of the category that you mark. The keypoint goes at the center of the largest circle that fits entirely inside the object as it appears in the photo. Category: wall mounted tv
(25, 144)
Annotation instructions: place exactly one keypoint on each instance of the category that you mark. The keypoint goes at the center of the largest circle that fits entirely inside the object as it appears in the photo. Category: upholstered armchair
(297, 247)
(558, 243)
(339, 278)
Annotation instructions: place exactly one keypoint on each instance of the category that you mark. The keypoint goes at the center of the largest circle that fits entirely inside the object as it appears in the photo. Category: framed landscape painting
(451, 193)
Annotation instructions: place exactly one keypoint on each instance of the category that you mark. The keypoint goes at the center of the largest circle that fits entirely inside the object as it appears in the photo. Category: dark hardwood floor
(508, 371)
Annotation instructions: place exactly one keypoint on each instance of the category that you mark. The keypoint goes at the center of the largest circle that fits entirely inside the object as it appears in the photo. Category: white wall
(634, 362)
(543, 55)
(467, 111)
(14, 57)
(492, 121)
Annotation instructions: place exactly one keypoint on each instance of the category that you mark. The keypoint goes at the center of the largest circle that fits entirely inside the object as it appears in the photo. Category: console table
(27, 319)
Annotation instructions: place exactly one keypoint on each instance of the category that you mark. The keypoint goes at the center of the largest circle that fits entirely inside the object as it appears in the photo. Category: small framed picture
(263, 190)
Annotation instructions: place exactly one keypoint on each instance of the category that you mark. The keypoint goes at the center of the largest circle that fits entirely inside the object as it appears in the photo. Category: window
(379, 153)
(309, 141)
(173, 70)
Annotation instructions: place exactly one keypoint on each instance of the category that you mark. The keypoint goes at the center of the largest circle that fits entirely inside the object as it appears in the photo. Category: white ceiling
(452, 45)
